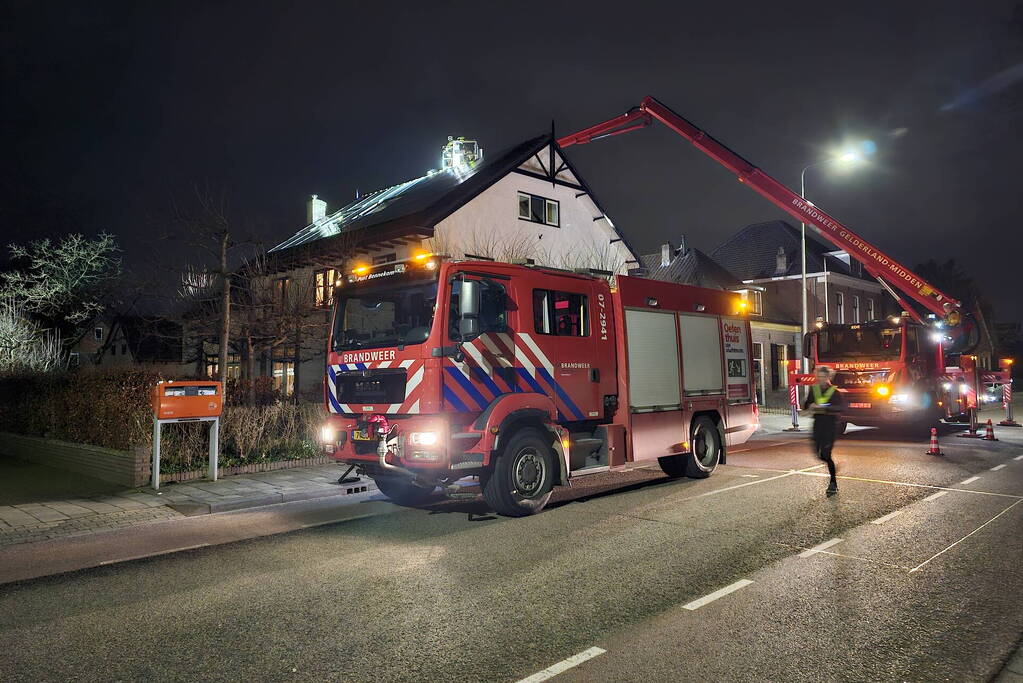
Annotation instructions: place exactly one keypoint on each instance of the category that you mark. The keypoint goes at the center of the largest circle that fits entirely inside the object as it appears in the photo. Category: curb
(193, 508)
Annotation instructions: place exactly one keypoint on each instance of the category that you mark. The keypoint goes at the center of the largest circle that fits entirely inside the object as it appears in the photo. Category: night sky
(110, 112)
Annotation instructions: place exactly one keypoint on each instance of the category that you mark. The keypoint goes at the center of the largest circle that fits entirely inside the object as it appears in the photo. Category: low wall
(192, 475)
(118, 467)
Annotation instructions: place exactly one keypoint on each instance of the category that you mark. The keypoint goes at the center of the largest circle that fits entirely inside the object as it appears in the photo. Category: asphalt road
(623, 573)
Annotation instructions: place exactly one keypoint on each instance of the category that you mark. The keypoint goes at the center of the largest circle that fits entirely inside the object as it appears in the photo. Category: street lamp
(850, 156)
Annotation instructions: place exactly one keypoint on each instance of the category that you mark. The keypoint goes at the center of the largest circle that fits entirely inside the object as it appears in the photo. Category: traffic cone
(989, 432)
(934, 450)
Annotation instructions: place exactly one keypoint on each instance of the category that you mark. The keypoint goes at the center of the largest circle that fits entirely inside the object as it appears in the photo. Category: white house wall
(490, 226)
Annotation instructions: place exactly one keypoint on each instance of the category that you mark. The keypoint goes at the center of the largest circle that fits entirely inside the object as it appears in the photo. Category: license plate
(859, 405)
(361, 435)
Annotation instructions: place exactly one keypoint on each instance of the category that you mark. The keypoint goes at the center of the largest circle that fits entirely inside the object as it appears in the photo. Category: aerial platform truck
(907, 369)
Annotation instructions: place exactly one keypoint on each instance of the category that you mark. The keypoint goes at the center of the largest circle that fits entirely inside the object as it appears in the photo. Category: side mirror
(469, 299)
(808, 345)
(469, 310)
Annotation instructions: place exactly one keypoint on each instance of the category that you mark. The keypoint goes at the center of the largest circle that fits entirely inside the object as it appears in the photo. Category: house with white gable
(526, 203)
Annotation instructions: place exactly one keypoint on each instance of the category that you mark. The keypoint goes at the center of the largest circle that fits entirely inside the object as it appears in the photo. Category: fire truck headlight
(937, 337)
(899, 398)
(882, 390)
(327, 434)
(422, 438)
(947, 386)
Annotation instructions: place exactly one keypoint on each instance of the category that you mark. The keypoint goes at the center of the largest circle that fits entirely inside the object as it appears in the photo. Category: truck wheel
(522, 477)
(705, 448)
(402, 491)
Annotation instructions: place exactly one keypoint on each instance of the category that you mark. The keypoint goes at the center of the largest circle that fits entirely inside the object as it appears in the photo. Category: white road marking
(700, 602)
(750, 476)
(964, 482)
(759, 447)
(882, 520)
(819, 547)
(997, 467)
(897, 483)
(1018, 457)
(753, 483)
(919, 566)
(564, 665)
(935, 496)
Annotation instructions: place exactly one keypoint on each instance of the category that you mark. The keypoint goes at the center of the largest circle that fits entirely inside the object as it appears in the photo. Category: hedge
(113, 409)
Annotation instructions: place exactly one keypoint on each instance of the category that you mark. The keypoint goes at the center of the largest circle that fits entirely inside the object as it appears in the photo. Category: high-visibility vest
(822, 399)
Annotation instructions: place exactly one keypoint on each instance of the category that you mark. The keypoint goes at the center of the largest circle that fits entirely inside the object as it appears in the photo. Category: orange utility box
(176, 400)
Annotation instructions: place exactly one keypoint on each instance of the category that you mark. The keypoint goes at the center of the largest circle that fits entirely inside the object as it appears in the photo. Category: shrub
(113, 409)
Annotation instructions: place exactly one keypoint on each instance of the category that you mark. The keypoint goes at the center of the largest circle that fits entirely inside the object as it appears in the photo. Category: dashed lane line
(564, 665)
(902, 483)
(819, 547)
(935, 496)
(720, 593)
(938, 554)
(964, 482)
(997, 467)
(882, 520)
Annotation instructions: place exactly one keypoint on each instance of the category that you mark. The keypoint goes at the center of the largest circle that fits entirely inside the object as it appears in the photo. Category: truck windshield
(373, 317)
(836, 343)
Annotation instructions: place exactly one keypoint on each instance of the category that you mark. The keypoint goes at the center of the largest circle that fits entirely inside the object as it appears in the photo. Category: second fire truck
(909, 369)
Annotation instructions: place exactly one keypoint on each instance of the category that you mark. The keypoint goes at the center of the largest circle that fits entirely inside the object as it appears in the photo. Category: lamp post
(847, 157)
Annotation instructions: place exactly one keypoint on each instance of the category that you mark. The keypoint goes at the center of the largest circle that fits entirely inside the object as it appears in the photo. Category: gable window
(538, 209)
(870, 309)
(839, 307)
(323, 287)
(97, 333)
(855, 308)
(565, 314)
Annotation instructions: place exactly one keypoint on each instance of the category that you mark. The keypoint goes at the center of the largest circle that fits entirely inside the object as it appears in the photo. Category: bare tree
(63, 285)
(207, 229)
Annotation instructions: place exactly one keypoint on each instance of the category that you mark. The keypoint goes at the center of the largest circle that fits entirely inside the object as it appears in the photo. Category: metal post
(214, 447)
(802, 277)
(155, 478)
(1007, 404)
(790, 368)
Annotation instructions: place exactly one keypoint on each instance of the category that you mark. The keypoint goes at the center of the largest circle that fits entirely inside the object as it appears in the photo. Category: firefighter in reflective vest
(825, 402)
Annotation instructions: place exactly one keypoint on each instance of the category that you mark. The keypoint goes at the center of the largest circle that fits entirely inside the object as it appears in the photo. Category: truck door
(562, 339)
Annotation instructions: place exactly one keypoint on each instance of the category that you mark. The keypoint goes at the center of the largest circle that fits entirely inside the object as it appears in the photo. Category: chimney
(781, 263)
(315, 209)
(667, 253)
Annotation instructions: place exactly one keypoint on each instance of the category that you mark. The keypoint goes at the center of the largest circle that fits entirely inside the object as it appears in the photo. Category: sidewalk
(84, 514)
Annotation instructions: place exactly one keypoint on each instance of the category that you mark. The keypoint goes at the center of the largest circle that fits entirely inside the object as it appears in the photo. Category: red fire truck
(906, 369)
(527, 377)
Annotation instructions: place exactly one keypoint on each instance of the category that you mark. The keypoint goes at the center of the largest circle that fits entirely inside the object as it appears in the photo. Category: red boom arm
(879, 265)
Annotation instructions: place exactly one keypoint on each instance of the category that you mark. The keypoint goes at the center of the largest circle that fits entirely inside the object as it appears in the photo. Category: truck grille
(385, 385)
